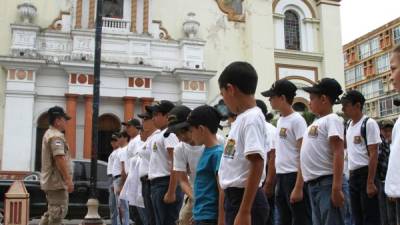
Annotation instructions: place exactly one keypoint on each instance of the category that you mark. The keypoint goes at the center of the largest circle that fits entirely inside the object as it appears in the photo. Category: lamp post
(93, 216)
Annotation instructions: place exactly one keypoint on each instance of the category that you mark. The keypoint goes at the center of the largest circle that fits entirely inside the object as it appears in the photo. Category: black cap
(207, 116)
(133, 122)
(386, 124)
(281, 87)
(177, 119)
(164, 106)
(327, 86)
(115, 136)
(57, 111)
(147, 114)
(353, 97)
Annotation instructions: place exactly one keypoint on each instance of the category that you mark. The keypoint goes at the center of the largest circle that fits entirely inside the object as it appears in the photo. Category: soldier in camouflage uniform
(56, 172)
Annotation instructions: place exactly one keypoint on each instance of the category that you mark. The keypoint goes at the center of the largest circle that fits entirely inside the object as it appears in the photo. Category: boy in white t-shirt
(392, 182)
(112, 201)
(120, 159)
(145, 154)
(291, 194)
(362, 141)
(165, 195)
(321, 155)
(186, 157)
(242, 168)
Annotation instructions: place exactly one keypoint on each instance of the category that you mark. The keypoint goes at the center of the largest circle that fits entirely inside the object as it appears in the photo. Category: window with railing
(364, 50)
(372, 89)
(386, 106)
(396, 35)
(383, 63)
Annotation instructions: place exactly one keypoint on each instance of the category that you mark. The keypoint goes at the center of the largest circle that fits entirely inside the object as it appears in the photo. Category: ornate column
(145, 16)
(92, 9)
(70, 131)
(145, 102)
(78, 21)
(129, 107)
(87, 142)
(133, 15)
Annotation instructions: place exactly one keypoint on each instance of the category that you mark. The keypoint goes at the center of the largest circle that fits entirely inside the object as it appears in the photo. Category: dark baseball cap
(115, 136)
(57, 111)
(386, 124)
(177, 119)
(353, 97)
(281, 87)
(133, 122)
(207, 116)
(147, 114)
(327, 86)
(164, 106)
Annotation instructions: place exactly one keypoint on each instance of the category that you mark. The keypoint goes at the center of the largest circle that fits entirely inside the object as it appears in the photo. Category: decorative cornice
(328, 2)
(288, 54)
(188, 74)
(21, 63)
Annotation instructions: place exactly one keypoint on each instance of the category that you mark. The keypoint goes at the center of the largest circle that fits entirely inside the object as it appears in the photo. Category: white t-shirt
(123, 158)
(133, 146)
(110, 162)
(290, 128)
(117, 167)
(392, 182)
(248, 135)
(187, 155)
(316, 155)
(220, 139)
(357, 151)
(271, 133)
(160, 165)
(145, 154)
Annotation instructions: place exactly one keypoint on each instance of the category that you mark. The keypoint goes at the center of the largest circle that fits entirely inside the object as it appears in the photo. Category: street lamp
(93, 216)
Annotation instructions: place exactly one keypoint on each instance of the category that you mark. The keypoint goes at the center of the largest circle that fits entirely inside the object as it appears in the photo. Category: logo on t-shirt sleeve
(313, 131)
(155, 148)
(283, 132)
(229, 151)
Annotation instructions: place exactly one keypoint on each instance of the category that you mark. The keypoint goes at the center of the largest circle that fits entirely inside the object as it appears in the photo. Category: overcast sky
(362, 16)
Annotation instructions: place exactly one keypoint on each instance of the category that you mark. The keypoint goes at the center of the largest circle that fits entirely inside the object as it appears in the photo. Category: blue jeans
(298, 213)
(323, 211)
(233, 199)
(165, 214)
(148, 205)
(365, 210)
(142, 215)
(348, 218)
(112, 202)
(121, 203)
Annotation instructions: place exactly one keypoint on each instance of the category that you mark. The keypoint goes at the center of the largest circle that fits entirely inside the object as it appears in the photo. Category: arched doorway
(108, 124)
(42, 126)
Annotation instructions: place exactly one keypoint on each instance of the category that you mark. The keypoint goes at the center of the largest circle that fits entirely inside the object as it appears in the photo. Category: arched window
(292, 30)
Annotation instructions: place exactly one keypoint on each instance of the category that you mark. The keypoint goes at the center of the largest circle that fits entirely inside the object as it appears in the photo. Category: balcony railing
(114, 25)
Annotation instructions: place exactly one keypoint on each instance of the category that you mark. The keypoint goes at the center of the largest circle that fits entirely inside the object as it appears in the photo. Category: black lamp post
(92, 216)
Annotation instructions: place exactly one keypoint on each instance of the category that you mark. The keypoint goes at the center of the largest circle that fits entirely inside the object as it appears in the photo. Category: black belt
(318, 180)
(145, 178)
(159, 179)
(360, 171)
(116, 177)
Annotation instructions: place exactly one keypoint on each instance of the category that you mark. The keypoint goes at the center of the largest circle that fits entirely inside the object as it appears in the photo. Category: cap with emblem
(57, 111)
(327, 86)
(281, 87)
(164, 106)
(133, 122)
(177, 119)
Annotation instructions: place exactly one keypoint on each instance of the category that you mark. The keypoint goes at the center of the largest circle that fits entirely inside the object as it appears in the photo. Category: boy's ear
(230, 89)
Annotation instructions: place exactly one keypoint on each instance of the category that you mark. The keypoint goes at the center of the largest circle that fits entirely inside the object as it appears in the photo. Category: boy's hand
(371, 190)
(297, 195)
(243, 218)
(169, 198)
(337, 198)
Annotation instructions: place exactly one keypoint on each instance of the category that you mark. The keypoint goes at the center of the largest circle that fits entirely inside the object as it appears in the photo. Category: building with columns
(151, 50)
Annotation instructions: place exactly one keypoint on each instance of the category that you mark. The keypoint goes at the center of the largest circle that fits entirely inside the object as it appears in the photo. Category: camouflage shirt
(53, 144)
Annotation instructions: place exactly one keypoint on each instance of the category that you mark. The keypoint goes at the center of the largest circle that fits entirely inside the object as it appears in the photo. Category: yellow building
(367, 69)
(151, 50)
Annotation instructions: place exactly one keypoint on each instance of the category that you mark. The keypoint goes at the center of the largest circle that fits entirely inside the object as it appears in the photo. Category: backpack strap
(364, 131)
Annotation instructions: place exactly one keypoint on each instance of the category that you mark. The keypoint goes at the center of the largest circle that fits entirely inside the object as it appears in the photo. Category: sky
(362, 16)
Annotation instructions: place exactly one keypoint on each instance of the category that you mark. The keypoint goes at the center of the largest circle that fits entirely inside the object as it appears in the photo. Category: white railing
(113, 25)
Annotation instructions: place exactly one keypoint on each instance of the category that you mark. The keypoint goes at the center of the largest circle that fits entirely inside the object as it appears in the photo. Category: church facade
(151, 50)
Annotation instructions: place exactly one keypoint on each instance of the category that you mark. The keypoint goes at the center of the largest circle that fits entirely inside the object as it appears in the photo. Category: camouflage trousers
(57, 207)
